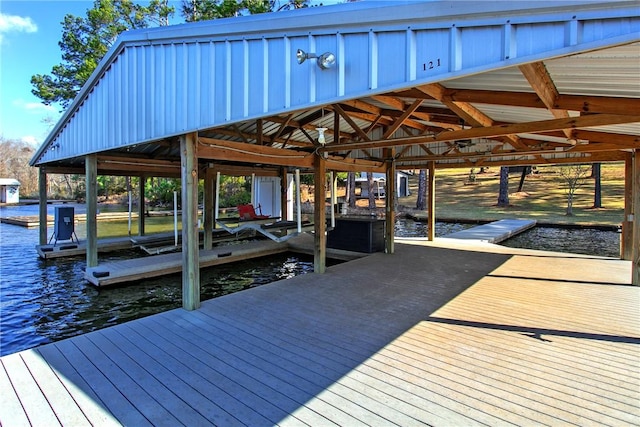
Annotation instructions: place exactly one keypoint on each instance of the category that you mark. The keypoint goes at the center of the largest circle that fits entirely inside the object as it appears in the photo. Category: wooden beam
(491, 131)
(635, 264)
(91, 195)
(217, 149)
(42, 207)
(190, 234)
(353, 124)
(209, 198)
(319, 216)
(141, 205)
(538, 77)
(354, 165)
(408, 111)
(466, 111)
(626, 237)
(284, 193)
(390, 201)
(520, 161)
(581, 103)
(431, 202)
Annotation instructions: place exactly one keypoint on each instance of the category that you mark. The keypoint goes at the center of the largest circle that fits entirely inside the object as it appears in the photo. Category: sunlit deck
(470, 334)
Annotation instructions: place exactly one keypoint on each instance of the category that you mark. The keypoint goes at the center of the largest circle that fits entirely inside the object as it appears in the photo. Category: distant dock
(494, 232)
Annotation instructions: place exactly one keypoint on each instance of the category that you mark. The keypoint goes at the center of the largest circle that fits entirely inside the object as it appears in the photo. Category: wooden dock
(115, 272)
(440, 333)
(73, 248)
(494, 232)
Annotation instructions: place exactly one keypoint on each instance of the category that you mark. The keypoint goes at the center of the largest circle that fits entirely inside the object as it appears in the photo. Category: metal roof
(419, 68)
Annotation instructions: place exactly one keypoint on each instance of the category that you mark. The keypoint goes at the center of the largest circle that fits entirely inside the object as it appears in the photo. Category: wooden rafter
(581, 103)
(466, 111)
(493, 131)
(538, 77)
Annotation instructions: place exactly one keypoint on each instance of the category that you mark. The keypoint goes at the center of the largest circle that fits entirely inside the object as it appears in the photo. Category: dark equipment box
(357, 234)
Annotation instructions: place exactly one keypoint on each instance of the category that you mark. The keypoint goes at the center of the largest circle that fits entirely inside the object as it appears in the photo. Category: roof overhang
(453, 82)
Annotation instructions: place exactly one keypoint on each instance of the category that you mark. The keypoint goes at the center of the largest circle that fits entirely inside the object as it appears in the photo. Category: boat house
(362, 87)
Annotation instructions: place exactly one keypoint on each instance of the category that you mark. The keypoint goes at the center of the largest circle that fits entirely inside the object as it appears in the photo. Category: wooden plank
(87, 366)
(85, 397)
(142, 400)
(26, 388)
(159, 388)
(10, 406)
(241, 402)
(63, 404)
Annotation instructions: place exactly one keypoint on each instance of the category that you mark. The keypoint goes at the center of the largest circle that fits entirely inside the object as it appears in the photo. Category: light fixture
(324, 61)
(321, 139)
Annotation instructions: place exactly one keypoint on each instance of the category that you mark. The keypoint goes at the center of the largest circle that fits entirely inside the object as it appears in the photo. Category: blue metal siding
(481, 46)
(432, 52)
(392, 58)
(355, 63)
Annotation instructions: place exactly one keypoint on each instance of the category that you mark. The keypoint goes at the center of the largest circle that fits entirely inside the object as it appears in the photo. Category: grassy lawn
(543, 197)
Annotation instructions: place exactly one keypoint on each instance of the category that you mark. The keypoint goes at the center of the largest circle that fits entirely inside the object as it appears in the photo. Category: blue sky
(29, 34)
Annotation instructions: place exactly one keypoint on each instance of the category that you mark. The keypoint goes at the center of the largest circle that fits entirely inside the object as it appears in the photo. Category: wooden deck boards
(427, 336)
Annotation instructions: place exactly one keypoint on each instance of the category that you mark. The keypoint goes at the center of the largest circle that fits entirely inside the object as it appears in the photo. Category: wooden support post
(390, 199)
(284, 194)
(209, 196)
(141, 205)
(190, 238)
(319, 216)
(626, 237)
(635, 263)
(42, 195)
(431, 202)
(91, 185)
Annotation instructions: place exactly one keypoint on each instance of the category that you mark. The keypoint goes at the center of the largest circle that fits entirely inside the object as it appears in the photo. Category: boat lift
(269, 226)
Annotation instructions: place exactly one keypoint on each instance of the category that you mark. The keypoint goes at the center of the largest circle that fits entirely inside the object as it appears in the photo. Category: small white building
(9, 190)
(379, 184)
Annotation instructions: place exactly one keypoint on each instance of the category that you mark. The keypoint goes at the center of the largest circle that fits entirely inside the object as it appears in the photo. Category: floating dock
(115, 272)
(494, 232)
(130, 270)
(72, 249)
(402, 339)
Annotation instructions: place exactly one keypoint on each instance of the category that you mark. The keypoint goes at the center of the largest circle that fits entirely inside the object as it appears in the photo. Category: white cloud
(30, 139)
(34, 107)
(14, 23)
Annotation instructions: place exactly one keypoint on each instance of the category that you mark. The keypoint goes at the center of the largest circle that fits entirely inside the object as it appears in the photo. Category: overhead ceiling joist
(217, 149)
(492, 131)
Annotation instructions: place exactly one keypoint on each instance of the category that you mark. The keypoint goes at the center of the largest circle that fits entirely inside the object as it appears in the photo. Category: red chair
(248, 213)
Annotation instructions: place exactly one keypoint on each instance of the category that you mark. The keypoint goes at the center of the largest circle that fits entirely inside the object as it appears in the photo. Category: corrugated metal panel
(165, 82)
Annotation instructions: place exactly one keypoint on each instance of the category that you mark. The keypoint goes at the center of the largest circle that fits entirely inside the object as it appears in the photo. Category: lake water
(46, 300)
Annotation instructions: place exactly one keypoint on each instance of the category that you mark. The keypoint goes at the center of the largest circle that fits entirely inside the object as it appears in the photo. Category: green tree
(202, 10)
(86, 40)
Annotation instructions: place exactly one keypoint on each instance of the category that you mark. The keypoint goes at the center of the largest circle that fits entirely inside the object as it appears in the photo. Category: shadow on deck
(424, 336)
